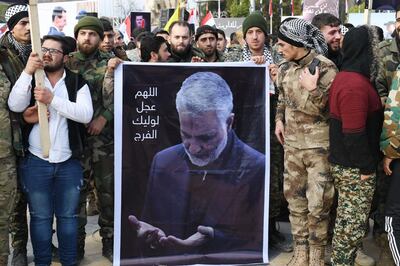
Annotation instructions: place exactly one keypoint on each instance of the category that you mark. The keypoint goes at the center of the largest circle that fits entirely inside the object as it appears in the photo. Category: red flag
(271, 13)
(208, 20)
(292, 8)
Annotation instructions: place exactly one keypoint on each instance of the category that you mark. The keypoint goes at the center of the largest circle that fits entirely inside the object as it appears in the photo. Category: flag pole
(270, 24)
(39, 78)
(367, 13)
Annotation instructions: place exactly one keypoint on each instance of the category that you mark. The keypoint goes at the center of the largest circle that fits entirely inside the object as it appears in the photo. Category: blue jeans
(52, 189)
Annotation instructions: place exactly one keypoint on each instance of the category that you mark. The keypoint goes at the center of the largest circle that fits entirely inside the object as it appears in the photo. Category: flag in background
(125, 29)
(271, 12)
(175, 17)
(208, 20)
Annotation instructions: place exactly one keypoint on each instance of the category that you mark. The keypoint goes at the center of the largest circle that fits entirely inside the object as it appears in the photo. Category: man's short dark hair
(150, 44)
(57, 12)
(397, 9)
(143, 35)
(221, 32)
(64, 45)
(179, 23)
(106, 24)
(325, 19)
(162, 32)
(71, 44)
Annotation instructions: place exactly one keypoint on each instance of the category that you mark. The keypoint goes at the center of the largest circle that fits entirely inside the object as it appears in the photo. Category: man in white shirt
(52, 185)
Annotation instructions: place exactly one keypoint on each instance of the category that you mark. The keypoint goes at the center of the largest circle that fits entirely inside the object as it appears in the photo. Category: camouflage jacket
(93, 68)
(6, 140)
(304, 114)
(389, 59)
(234, 53)
(220, 57)
(390, 137)
(11, 66)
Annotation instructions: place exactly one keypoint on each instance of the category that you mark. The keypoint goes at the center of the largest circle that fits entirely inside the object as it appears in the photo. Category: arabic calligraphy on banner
(146, 119)
(229, 25)
(315, 7)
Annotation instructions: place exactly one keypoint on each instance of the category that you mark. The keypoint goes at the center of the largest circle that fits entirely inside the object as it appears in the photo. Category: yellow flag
(175, 17)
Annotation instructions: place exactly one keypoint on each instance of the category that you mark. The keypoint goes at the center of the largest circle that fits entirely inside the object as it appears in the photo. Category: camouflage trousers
(8, 187)
(276, 177)
(19, 221)
(308, 188)
(98, 165)
(354, 203)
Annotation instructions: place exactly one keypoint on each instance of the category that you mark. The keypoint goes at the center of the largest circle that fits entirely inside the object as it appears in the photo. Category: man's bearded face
(204, 136)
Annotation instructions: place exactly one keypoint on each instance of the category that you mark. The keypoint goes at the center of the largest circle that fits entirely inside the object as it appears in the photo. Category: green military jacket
(304, 114)
(390, 137)
(389, 60)
(193, 51)
(11, 66)
(93, 68)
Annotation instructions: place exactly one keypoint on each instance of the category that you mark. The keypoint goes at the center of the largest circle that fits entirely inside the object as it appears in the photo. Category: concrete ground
(93, 255)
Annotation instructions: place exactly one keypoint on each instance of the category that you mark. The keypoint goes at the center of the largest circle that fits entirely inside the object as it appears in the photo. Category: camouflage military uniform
(8, 173)
(13, 66)
(10, 68)
(308, 185)
(99, 153)
(354, 194)
(389, 61)
(389, 144)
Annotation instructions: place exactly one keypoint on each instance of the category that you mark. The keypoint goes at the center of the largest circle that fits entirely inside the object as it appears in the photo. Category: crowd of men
(334, 131)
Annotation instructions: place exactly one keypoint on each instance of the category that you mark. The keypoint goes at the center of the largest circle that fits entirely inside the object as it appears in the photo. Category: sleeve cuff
(108, 115)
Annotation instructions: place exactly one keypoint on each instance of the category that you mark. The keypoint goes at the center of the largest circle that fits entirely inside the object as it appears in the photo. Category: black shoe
(19, 258)
(108, 248)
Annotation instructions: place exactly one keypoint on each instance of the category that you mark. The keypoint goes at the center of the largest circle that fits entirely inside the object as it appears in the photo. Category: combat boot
(317, 256)
(300, 255)
(363, 259)
(3, 260)
(19, 257)
(108, 248)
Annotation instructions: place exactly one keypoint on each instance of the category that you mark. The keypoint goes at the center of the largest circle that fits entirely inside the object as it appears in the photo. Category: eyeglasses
(52, 51)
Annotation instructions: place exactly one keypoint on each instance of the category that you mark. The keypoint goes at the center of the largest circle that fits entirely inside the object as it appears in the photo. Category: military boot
(317, 256)
(300, 255)
(363, 259)
(108, 248)
(3, 260)
(19, 258)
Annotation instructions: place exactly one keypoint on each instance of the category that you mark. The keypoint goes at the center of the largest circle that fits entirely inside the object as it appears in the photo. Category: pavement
(93, 255)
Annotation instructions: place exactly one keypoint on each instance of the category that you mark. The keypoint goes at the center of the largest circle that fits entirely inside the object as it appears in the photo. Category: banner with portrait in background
(192, 167)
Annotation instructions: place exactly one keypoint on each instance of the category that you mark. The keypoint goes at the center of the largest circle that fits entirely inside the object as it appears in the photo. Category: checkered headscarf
(14, 14)
(301, 33)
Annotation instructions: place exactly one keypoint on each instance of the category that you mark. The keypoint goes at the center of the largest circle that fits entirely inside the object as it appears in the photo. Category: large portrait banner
(191, 164)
